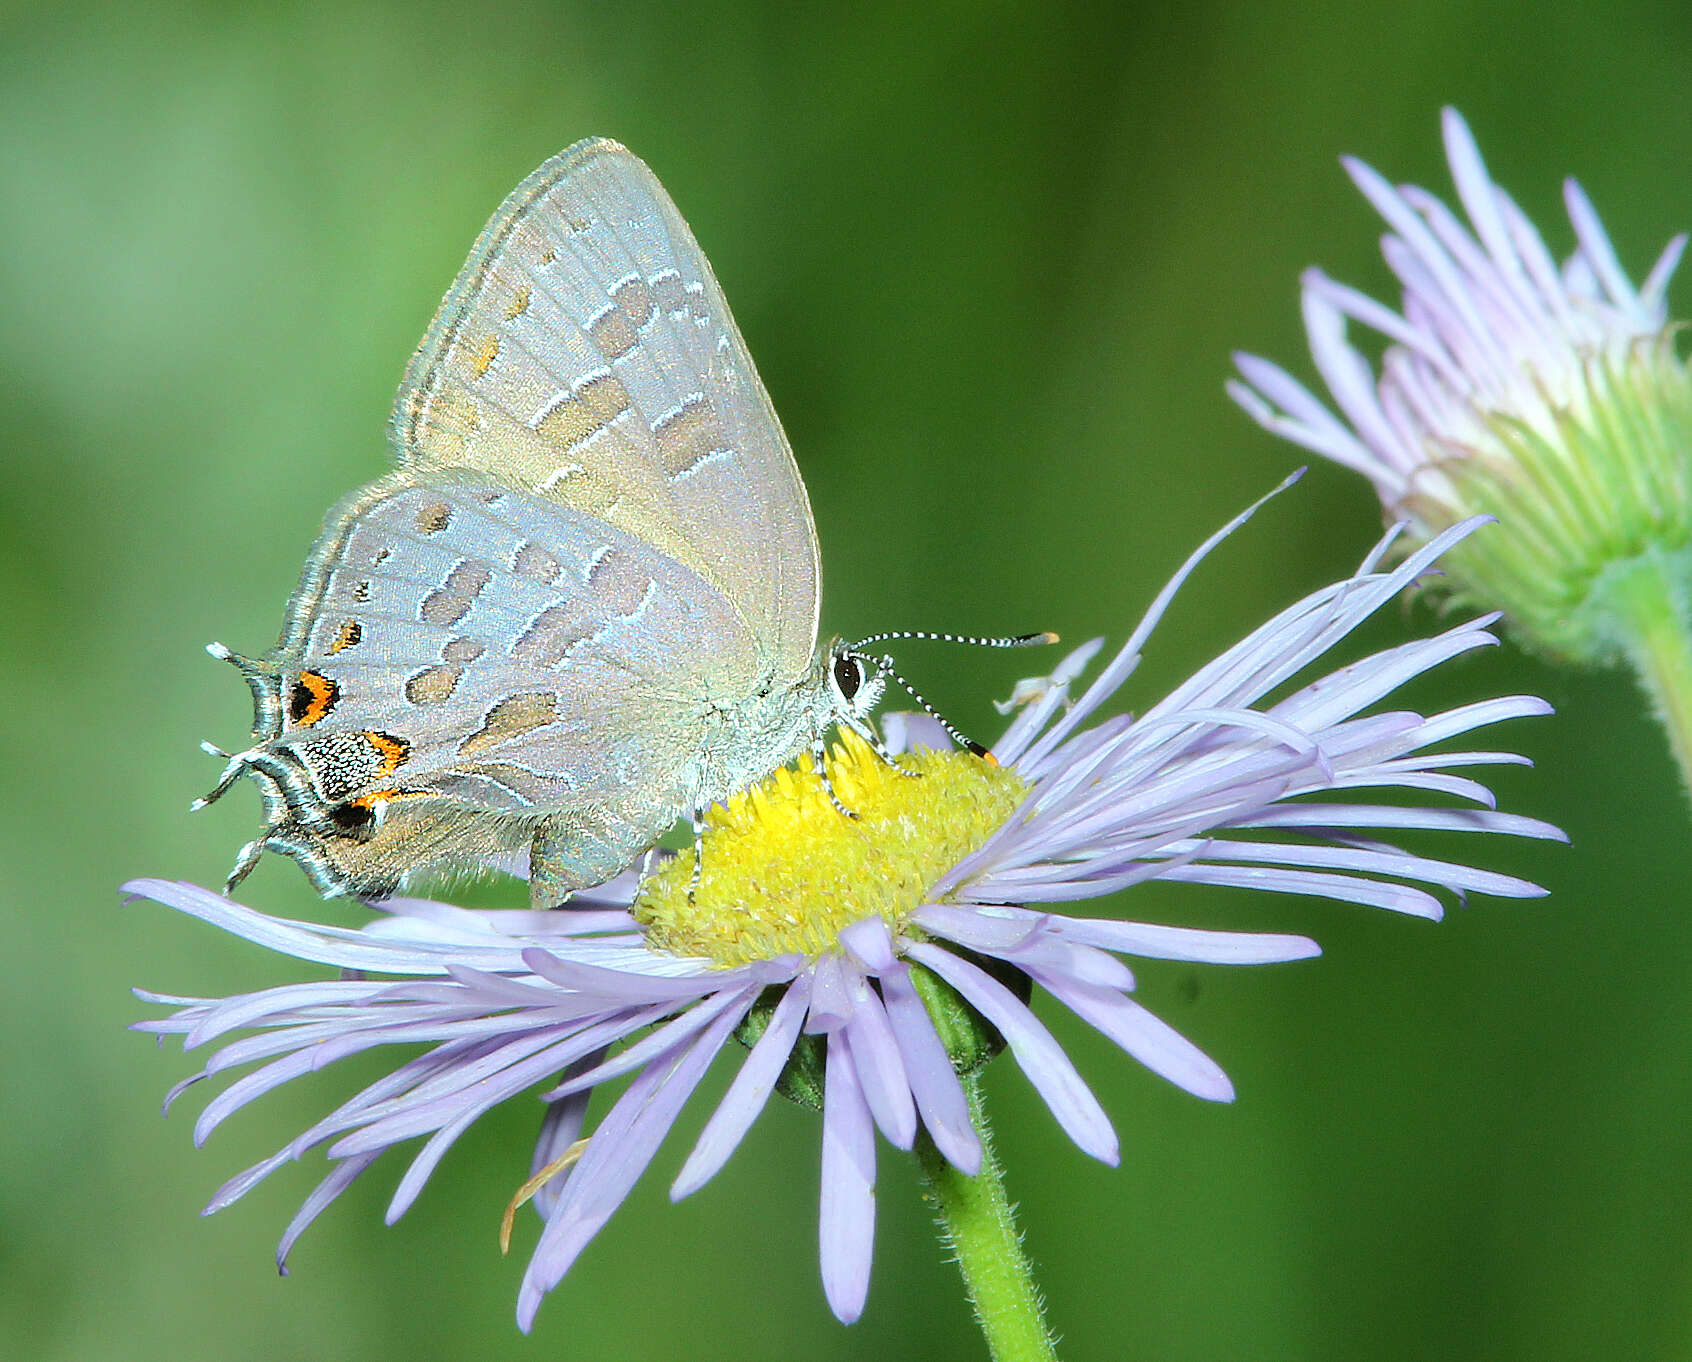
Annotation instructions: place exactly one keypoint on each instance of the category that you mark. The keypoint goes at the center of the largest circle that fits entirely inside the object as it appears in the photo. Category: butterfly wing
(463, 659)
(597, 546)
(586, 353)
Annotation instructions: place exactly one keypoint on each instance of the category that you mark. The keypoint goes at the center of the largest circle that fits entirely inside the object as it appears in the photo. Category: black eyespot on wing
(353, 820)
(848, 675)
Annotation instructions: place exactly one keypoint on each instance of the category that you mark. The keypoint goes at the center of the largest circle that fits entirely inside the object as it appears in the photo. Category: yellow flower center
(784, 871)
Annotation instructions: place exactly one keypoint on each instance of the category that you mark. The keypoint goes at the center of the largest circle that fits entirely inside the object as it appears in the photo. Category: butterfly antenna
(886, 664)
(1007, 641)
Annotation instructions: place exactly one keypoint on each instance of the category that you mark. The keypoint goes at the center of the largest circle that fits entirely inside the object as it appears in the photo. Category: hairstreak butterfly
(585, 602)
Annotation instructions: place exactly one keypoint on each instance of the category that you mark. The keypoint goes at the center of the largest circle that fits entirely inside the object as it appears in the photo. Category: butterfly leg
(567, 855)
(881, 750)
(819, 750)
(697, 816)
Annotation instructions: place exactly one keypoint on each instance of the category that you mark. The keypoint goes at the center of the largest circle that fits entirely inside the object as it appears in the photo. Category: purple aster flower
(856, 950)
(1550, 397)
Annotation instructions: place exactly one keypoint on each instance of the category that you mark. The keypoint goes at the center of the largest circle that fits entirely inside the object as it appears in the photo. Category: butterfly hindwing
(462, 652)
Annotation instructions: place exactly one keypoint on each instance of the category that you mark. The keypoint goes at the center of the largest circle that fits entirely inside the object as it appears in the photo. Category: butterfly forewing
(586, 353)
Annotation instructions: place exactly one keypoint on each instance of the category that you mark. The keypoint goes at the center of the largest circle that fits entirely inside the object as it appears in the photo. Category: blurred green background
(992, 259)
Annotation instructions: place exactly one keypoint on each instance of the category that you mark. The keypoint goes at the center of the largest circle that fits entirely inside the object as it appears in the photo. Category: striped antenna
(1010, 641)
(885, 663)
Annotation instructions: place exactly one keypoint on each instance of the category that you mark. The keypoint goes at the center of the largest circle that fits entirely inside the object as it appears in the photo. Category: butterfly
(585, 602)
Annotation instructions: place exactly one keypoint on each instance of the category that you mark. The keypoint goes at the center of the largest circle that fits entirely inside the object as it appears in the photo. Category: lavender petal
(846, 1218)
(616, 1156)
(1039, 1056)
(934, 1082)
(747, 1093)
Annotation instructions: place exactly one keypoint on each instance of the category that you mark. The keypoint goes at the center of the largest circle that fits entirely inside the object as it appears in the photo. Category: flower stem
(1654, 619)
(978, 1224)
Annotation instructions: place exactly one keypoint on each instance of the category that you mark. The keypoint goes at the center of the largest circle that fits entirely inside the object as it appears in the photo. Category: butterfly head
(856, 682)
(857, 678)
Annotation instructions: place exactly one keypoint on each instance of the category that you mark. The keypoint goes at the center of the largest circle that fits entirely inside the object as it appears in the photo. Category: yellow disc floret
(783, 870)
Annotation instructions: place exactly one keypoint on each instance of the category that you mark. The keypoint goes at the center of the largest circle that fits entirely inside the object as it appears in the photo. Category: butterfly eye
(848, 676)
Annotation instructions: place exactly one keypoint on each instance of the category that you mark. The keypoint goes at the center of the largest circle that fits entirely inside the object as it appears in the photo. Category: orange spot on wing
(392, 752)
(375, 797)
(483, 356)
(371, 800)
(313, 697)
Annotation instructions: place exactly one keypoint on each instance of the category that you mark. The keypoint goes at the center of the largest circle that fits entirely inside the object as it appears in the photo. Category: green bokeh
(992, 259)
